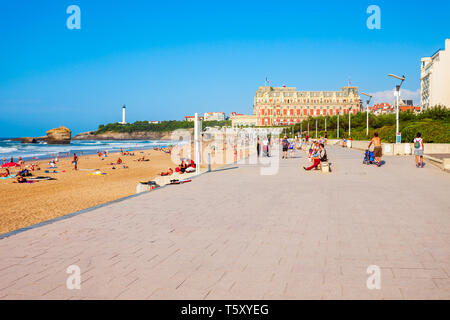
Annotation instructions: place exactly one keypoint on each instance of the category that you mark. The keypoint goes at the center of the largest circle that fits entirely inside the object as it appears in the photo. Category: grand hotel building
(285, 105)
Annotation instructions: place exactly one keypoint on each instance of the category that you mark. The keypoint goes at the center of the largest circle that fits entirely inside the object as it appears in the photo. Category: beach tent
(10, 164)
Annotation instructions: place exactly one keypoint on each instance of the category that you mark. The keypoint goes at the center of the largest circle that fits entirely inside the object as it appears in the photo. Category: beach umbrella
(10, 164)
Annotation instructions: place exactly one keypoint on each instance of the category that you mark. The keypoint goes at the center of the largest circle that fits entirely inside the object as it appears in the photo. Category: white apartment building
(435, 78)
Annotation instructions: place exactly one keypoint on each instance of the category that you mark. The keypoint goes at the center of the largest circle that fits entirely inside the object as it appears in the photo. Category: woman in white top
(418, 150)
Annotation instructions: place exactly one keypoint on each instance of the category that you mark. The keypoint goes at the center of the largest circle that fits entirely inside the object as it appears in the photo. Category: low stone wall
(390, 149)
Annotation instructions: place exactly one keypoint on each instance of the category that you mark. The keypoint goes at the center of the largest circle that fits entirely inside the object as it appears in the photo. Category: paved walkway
(236, 234)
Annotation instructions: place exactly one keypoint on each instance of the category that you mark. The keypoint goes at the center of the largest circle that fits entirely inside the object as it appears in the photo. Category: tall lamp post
(367, 112)
(349, 122)
(316, 128)
(338, 124)
(397, 90)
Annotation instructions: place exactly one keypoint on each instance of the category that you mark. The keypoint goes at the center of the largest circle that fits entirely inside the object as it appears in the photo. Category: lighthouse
(123, 115)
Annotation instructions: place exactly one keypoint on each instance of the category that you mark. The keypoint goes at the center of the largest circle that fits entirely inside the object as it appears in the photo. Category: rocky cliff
(60, 135)
(145, 135)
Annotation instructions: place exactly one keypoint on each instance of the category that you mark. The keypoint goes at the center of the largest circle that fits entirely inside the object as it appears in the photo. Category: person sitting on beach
(183, 166)
(168, 173)
(25, 173)
(119, 161)
(5, 174)
(34, 167)
(21, 162)
(142, 159)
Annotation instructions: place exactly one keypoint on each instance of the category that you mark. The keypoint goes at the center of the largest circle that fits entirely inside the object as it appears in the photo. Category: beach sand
(26, 204)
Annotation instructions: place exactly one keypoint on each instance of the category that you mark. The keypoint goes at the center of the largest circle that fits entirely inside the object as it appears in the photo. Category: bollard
(209, 162)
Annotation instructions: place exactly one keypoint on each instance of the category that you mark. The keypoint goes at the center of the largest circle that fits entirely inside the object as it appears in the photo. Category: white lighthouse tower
(123, 115)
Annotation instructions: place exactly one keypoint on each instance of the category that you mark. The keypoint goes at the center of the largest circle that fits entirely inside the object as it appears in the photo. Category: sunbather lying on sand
(168, 173)
(20, 179)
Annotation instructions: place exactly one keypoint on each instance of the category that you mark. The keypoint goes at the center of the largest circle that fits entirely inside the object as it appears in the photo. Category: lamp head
(397, 77)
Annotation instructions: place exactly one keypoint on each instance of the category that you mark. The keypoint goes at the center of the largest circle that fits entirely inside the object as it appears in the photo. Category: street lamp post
(316, 128)
(397, 90)
(338, 124)
(367, 112)
(349, 122)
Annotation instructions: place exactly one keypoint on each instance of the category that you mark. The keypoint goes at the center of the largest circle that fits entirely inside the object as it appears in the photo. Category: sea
(15, 149)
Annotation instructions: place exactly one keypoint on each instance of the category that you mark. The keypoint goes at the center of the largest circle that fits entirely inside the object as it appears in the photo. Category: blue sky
(167, 60)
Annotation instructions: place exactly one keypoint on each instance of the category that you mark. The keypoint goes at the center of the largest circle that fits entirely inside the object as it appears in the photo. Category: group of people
(167, 149)
(184, 167)
(317, 154)
(287, 146)
(265, 146)
(378, 149)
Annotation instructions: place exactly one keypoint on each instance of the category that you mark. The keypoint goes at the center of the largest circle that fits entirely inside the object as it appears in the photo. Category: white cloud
(388, 96)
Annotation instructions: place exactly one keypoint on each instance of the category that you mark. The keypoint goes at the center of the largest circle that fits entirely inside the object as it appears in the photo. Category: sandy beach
(30, 203)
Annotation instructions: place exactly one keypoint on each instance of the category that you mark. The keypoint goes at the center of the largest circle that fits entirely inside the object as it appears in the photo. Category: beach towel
(41, 178)
(97, 173)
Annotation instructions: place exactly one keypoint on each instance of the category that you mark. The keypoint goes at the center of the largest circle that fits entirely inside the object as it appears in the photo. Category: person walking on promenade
(418, 150)
(258, 146)
(377, 150)
(285, 145)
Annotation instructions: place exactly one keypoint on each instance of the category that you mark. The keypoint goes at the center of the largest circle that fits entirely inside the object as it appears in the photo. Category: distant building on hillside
(243, 120)
(214, 116)
(275, 106)
(381, 108)
(414, 109)
(154, 122)
(404, 102)
(386, 108)
(435, 78)
(192, 118)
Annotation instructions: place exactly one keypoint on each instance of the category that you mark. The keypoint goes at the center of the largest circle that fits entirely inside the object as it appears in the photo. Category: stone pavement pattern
(235, 234)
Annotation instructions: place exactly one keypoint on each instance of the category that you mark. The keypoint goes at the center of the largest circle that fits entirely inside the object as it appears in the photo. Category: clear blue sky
(168, 59)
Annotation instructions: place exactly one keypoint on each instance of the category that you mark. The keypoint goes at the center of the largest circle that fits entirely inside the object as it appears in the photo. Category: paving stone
(236, 234)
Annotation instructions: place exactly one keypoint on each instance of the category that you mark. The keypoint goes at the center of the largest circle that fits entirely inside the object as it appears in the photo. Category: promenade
(236, 234)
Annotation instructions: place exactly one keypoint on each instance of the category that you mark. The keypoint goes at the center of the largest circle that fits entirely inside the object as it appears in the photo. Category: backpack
(417, 144)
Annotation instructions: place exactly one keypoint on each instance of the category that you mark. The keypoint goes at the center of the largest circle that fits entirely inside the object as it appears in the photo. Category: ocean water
(42, 150)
